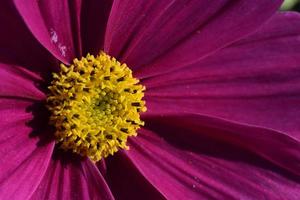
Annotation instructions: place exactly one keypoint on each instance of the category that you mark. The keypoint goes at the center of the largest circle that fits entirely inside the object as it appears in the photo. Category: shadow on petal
(40, 123)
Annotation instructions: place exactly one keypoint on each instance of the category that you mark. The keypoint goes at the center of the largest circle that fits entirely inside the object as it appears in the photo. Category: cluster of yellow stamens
(95, 105)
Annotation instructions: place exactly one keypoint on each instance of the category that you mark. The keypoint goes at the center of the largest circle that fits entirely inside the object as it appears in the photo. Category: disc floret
(95, 106)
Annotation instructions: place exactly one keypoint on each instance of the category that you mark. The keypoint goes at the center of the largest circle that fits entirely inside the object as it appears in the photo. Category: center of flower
(95, 104)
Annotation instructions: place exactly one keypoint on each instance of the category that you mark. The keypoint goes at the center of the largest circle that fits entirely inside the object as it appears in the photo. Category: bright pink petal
(69, 177)
(18, 46)
(177, 33)
(24, 157)
(94, 17)
(126, 182)
(54, 24)
(255, 81)
(196, 157)
(23, 161)
(19, 82)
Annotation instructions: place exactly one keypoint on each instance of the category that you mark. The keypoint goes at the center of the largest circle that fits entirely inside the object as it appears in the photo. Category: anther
(135, 104)
(76, 116)
(120, 79)
(109, 137)
(73, 126)
(125, 130)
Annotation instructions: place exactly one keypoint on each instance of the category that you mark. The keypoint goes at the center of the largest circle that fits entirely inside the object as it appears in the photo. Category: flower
(222, 93)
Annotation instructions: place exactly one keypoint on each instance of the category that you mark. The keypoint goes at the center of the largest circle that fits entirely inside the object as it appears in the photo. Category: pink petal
(19, 82)
(23, 161)
(254, 81)
(196, 157)
(18, 46)
(126, 182)
(94, 17)
(276, 147)
(170, 34)
(68, 177)
(54, 24)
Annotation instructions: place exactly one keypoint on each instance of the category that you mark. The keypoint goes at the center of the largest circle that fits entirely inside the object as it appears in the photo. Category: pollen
(95, 105)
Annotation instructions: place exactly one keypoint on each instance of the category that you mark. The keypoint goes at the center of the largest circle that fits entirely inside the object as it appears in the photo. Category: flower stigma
(95, 105)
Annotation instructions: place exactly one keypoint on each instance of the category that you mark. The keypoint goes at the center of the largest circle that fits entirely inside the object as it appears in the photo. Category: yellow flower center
(95, 105)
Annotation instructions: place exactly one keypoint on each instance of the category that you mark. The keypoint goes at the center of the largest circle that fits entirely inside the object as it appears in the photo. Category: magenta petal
(17, 44)
(51, 24)
(94, 15)
(126, 182)
(19, 82)
(72, 178)
(23, 163)
(255, 81)
(177, 33)
(195, 157)
(279, 148)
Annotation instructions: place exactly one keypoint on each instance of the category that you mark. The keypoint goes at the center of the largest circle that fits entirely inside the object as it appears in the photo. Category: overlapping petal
(68, 177)
(55, 24)
(254, 81)
(17, 82)
(94, 15)
(170, 34)
(193, 156)
(18, 46)
(24, 155)
(23, 161)
(126, 182)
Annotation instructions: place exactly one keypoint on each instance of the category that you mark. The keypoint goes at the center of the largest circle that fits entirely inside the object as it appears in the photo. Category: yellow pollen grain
(95, 105)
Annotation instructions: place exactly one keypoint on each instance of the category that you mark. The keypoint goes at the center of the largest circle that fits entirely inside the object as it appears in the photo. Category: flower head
(95, 106)
(220, 80)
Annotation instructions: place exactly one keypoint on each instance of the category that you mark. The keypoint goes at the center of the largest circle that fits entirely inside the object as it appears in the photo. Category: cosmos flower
(220, 80)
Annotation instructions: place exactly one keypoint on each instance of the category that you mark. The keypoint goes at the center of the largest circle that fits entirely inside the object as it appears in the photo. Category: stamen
(95, 105)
